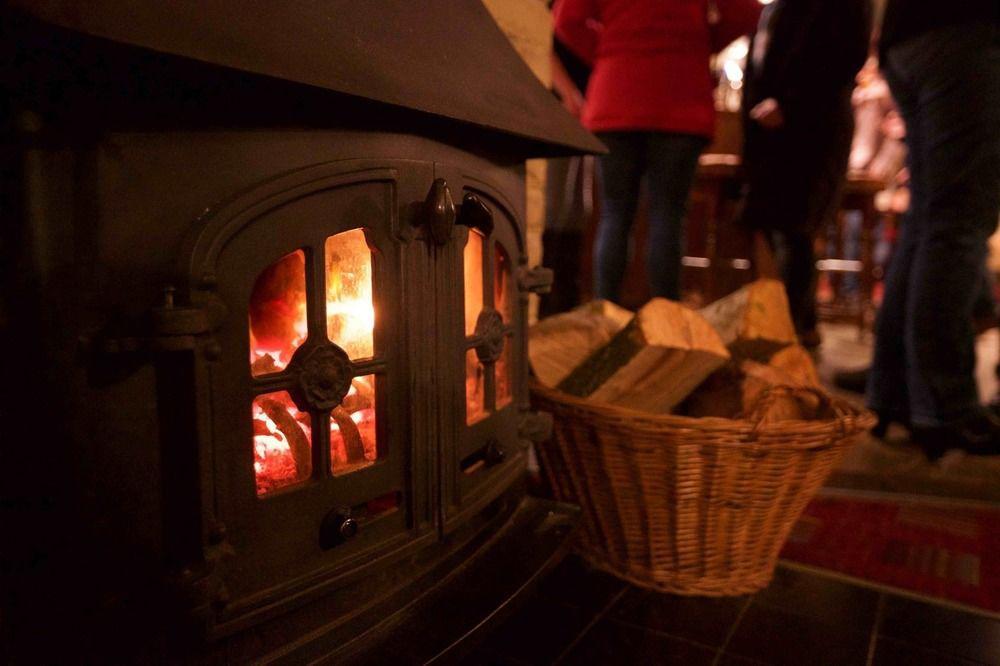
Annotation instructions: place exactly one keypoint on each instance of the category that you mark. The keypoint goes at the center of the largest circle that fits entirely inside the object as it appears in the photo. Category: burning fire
(278, 326)
(350, 309)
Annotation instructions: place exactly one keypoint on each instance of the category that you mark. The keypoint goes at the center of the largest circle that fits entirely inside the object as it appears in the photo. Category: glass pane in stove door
(473, 262)
(475, 388)
(504, 370)
(278, 314)
(501, 283)
(350, 310)
(282, 443)
(352, 428)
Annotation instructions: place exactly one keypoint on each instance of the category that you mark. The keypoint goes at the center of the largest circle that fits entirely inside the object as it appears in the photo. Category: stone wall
(528, 26)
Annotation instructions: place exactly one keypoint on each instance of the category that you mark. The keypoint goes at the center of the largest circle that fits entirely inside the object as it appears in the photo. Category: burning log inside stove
(354, 449)
(352, 427)
(298, 444)
(282, 444)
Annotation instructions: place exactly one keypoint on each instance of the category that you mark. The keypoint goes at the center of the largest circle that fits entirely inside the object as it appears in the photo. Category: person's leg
(671, 162)
(798, 272)
(887, 391)
(620, 172)
(956, 113)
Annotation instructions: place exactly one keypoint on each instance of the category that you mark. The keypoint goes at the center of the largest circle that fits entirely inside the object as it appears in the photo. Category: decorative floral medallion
(325, 373)
(490, 330)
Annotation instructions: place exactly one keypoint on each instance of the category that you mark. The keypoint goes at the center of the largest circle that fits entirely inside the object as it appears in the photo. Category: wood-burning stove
(264, 306)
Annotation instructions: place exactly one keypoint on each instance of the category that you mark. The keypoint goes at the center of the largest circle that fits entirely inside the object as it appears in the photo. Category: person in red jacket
(650, 101)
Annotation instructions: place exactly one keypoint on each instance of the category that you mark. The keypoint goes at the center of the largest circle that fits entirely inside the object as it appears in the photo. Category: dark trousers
(668, 161)
(796, 260)
(947, 85)
(795, 179)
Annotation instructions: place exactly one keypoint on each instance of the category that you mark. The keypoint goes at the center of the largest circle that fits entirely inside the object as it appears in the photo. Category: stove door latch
(438, 213)
(537, 280)
(338, 526)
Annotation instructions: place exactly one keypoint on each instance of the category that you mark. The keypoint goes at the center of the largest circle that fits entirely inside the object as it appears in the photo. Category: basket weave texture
(698, 506)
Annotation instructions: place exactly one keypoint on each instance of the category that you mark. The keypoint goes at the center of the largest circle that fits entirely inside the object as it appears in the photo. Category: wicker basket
(697, 506)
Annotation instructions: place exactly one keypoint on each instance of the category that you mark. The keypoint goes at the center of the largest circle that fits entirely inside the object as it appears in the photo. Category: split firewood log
(289, 427)
(558, 344)
(734, 390)
(754, 321)
(785, 406)
(796, 362)
(653, 363)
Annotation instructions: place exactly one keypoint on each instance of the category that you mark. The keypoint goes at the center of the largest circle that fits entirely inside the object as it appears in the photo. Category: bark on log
(754, 321)
(558, 344)
(653, 363)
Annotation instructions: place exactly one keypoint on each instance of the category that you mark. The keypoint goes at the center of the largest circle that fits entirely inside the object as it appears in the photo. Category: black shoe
(978, 435)
(852, 380)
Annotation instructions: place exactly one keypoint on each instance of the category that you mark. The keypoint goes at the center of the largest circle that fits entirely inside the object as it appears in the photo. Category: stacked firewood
(667, 358)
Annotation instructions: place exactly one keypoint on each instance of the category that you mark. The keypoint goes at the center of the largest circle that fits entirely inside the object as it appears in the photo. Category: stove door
(486, 352)
(314, 474)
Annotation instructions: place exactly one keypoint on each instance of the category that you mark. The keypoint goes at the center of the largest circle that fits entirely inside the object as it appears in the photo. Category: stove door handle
(475, 214)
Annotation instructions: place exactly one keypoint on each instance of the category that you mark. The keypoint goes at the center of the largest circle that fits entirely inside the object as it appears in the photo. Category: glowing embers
(278, 314)
(505, 393)
(501, 282)
(350, 311)
(282, 442)
(475, 388)
(352, 428)
(473, 261)
(490, 310)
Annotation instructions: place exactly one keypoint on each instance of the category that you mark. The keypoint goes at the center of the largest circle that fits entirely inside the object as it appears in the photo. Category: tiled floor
(583, 616)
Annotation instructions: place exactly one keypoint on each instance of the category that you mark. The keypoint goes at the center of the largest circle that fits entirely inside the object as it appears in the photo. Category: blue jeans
(947, 85)
(669, 162)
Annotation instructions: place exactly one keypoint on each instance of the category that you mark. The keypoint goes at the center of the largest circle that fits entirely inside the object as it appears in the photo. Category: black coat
(795, 172)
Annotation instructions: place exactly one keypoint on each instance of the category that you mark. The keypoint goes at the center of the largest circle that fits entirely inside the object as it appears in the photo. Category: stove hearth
(265, 275)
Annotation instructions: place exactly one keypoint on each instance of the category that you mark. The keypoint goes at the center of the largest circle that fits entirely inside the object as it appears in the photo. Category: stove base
(468, 599)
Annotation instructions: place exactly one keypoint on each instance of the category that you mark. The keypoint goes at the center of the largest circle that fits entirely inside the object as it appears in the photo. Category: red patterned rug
(932, 549)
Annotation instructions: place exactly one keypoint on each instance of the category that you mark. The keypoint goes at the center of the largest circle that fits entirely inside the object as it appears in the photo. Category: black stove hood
(439, 57)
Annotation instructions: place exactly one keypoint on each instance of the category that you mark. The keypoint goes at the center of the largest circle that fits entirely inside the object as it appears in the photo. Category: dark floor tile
(942, 629)
(578, 584)
(890, 652)
(610, 642)
(831, 601)
(538, 633)
(777, 636)
(736, 660)
(703, 620)
(485, 658)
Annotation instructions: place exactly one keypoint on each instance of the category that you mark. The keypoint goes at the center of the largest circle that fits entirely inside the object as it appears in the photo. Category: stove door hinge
(537, 280)
(535, 427)
(168, 328)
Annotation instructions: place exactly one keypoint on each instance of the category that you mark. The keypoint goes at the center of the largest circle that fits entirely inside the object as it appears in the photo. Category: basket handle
(758, 410)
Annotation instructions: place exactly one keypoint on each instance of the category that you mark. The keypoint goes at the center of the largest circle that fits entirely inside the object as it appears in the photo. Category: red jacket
(650, 58)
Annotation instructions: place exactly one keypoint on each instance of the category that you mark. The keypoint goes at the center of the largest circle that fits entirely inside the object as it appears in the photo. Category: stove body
(265, 338)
